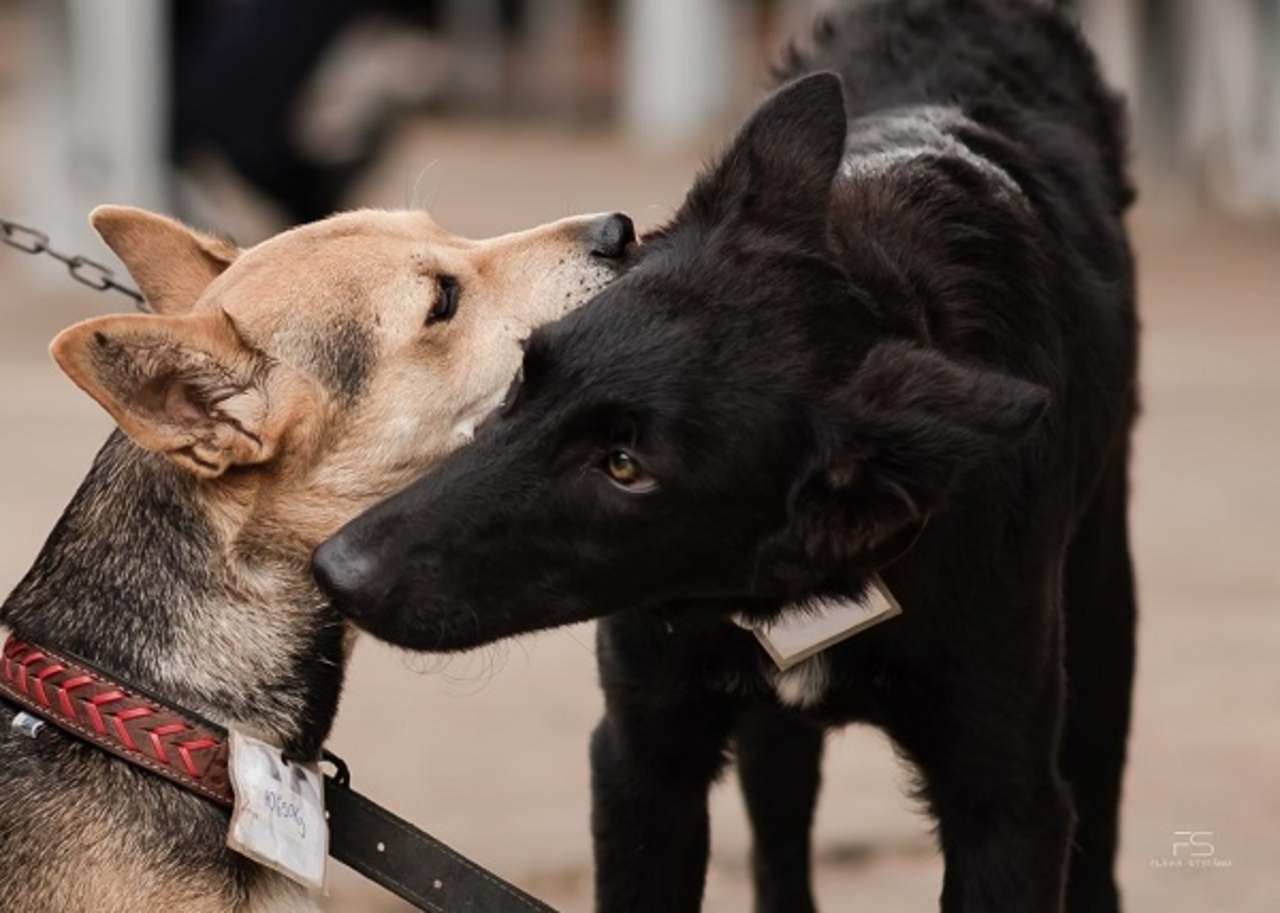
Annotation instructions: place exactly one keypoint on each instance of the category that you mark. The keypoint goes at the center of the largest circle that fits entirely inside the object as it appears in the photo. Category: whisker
(412, 200)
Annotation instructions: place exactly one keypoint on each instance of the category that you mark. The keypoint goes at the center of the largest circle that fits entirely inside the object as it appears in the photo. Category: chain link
(82, 269)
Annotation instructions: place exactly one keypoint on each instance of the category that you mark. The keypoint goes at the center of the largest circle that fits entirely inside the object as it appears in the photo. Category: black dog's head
(717, 423)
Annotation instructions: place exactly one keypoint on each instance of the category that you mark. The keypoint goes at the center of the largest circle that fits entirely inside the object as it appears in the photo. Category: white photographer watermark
(1192, 850)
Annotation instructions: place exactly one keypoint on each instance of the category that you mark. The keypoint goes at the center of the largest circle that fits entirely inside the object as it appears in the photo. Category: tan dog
(274, 394)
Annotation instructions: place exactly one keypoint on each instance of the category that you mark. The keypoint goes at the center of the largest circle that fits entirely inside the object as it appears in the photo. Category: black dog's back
(1029, 75)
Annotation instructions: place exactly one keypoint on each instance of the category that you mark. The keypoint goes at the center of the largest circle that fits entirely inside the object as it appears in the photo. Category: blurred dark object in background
(241, 72)
(297, 97)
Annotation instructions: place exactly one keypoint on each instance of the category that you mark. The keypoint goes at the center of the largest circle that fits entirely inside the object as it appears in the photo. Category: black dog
(889, 331)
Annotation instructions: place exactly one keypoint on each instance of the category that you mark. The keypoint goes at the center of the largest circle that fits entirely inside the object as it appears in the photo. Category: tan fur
(233, 378)
(299, 381)
(171, 263)
(183, 385)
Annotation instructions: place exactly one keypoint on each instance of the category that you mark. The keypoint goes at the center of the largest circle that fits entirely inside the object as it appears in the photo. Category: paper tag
(278, 818)
(797, 635)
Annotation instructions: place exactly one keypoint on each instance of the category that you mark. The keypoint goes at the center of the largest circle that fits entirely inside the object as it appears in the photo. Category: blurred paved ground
(489, 752)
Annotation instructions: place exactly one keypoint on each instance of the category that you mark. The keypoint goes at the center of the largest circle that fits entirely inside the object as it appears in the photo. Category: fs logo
(1193, 844)
(1192, 850)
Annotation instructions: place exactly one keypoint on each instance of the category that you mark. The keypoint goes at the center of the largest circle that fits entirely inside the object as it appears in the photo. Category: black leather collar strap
(137, 727)
(412, 865)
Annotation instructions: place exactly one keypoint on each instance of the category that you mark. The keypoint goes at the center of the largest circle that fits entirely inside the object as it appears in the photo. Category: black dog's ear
(780, 167)
(891, 444)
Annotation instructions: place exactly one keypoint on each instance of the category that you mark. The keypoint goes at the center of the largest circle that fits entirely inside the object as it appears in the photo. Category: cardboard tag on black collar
(798, 635)
(279, 818)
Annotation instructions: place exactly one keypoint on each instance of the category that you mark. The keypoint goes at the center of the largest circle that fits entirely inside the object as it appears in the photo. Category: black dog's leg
(650, 774)
(985, 736)
(779, 761)
(1101, 618)
(662, 742)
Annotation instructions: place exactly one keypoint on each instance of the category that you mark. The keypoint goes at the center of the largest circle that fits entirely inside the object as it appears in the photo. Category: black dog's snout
(610, 236)
(350, 576)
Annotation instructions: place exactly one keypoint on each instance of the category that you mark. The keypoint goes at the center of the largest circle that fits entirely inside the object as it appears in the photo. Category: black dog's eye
(446, 303)
(626, 471)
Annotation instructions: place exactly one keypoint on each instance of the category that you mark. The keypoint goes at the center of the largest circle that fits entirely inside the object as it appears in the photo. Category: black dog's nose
(350, 576)
(611, 235)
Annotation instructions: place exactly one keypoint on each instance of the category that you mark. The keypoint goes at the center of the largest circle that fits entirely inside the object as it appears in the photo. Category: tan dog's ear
(185, 386)
(171, 263)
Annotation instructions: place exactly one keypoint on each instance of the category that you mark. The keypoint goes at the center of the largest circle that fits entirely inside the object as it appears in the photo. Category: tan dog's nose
(610, 236)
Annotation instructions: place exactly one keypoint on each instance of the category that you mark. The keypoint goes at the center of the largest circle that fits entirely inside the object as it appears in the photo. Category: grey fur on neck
(134, 579)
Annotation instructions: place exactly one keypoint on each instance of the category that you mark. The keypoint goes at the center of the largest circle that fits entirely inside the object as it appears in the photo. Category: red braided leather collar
(116, 718)
(193, 753)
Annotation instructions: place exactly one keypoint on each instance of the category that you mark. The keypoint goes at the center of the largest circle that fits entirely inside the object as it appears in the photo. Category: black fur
(822, 370)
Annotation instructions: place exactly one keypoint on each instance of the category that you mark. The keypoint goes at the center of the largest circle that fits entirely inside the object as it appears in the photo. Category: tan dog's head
(328, 366)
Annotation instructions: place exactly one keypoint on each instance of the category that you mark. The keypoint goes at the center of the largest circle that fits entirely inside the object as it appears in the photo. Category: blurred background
(246, 116)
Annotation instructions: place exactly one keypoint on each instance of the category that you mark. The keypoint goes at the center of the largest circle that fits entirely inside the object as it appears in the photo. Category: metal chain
(84, 270)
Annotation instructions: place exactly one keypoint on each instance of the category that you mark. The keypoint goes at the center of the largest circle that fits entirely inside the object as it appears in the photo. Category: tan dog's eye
(626, 472)
(446, 303)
